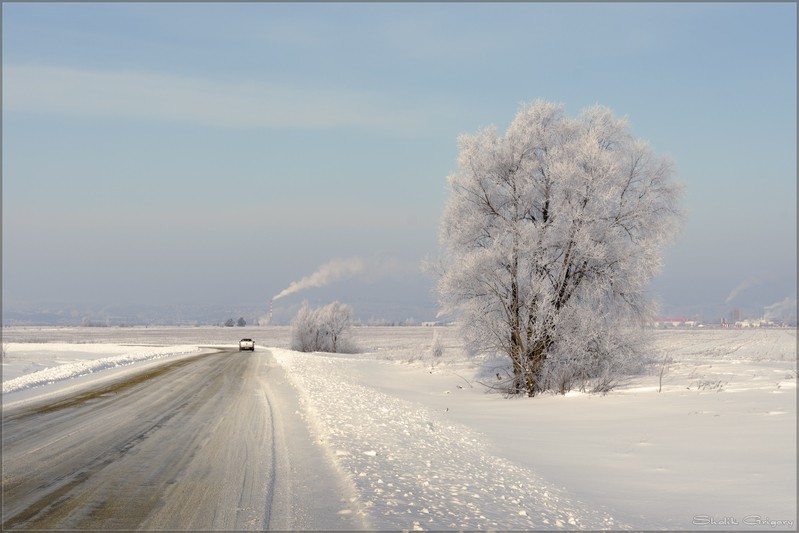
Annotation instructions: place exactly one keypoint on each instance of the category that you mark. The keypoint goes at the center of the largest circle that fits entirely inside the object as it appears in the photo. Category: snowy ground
(31, 365)
(426, 447)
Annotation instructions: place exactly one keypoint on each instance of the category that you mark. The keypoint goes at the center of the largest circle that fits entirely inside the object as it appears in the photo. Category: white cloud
(152, 96)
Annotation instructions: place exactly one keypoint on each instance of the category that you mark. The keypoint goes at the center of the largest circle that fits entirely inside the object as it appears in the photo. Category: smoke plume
(740, 288)
(327, 273)
(785, 309)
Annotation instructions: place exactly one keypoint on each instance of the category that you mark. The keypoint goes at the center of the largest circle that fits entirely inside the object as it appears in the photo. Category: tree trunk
(516, 340)
(536, 359)
(518, 367)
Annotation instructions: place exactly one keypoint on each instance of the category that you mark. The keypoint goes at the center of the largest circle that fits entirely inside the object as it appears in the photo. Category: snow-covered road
(205, 442)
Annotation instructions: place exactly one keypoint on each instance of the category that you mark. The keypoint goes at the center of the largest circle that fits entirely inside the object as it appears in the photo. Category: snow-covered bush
(437, 349)
(325, 329)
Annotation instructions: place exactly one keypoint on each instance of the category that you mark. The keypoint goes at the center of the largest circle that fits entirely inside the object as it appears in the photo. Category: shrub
(325, 329)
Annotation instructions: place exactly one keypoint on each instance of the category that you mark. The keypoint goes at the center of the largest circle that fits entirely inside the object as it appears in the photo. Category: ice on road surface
(196, 443)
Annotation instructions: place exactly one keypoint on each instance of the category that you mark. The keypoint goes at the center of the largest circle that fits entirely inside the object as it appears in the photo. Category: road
(208, 442)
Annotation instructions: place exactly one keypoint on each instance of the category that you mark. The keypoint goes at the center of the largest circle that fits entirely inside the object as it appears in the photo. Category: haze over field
(186, 163)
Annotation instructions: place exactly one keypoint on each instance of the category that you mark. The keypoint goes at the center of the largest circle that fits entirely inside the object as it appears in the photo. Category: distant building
(759, 323)
(675, 323)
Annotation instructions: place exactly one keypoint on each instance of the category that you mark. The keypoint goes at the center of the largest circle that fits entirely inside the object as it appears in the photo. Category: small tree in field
(336, 319)
(323, 329)
(305, 329)
(550, 237)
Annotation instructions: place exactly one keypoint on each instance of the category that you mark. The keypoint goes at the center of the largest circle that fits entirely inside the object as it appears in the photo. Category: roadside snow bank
(67, 361)
(416, 469)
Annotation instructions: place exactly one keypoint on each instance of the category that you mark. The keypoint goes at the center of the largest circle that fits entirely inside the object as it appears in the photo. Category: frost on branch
(550, 236)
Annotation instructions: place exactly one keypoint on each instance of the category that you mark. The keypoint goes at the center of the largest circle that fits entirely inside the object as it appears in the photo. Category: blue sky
(176, 154)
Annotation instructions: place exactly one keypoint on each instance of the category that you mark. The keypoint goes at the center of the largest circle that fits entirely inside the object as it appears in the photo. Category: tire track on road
(213, 442)
(62, 460)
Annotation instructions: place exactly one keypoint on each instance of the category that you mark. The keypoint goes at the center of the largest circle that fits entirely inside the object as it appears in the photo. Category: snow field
(27, 366)
(416, 469)
(150, 335)
(425, 447)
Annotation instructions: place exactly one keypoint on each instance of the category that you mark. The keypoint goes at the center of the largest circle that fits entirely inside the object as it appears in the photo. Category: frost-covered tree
(323, 329)
(305, 330)
(336, 319)
(550, 236)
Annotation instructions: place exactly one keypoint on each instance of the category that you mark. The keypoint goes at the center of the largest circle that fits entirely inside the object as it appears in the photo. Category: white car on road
(247, 344)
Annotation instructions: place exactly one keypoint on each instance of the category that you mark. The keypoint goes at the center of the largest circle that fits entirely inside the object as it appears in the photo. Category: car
(247, 344)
